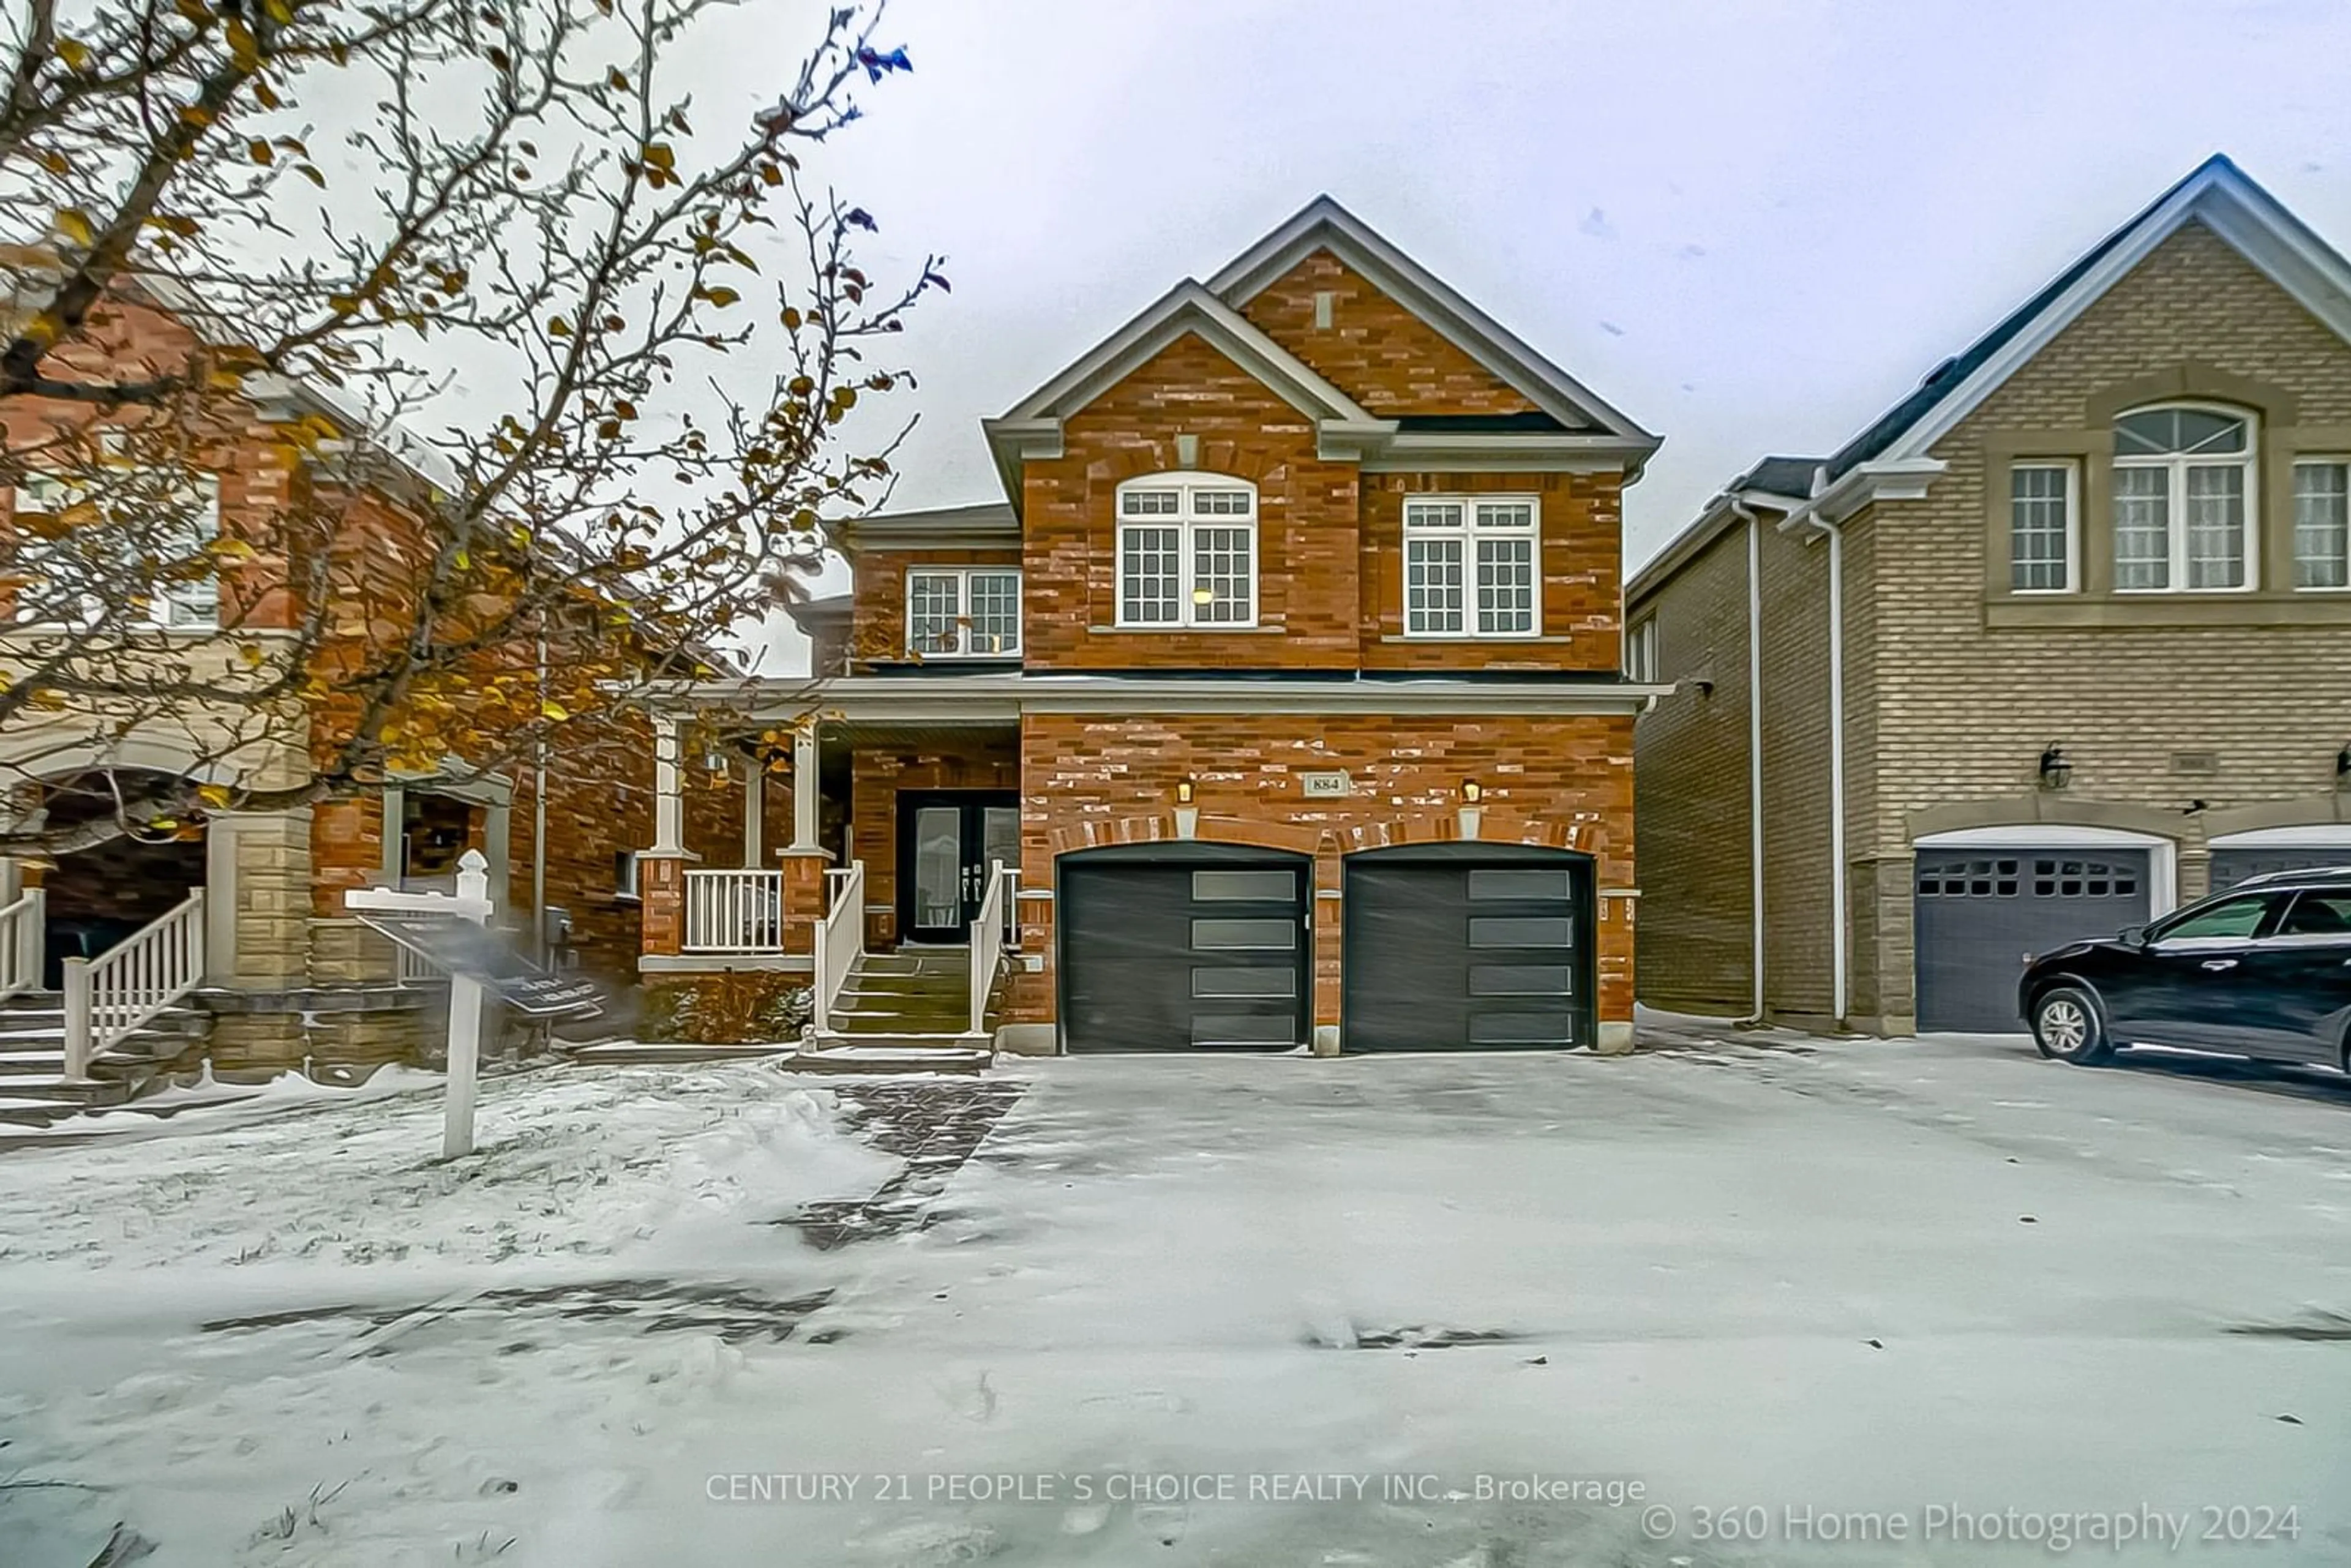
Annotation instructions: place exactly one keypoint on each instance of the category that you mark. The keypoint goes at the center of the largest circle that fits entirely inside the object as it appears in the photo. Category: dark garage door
(2232, 866)
(1177, 946)
(1466, 947)
(1979, 911)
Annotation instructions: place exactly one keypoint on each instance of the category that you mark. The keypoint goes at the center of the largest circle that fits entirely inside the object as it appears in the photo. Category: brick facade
(1564, 782)
(1375, 350)
(2182, 716)
(1330, 594)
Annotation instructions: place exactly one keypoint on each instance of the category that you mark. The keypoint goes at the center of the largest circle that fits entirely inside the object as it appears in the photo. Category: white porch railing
(840, 941)
(988, 940)
(24, 925)
(734, 912)
(108, 997)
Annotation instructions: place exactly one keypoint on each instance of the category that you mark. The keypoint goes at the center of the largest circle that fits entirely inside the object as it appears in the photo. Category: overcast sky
(1749, 224)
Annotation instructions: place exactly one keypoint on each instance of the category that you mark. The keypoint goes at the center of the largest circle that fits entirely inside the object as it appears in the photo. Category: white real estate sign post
(471, 903)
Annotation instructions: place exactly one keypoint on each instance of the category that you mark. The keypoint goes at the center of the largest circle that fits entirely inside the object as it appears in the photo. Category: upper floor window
(1641, 652)
(2183, 489)
(963, 613)
(1187, 551)
(131, 544)
(2321, 523)
(1470, 565)
(2043, 537)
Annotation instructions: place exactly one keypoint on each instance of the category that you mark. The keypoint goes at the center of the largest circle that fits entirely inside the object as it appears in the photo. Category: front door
(946, 840)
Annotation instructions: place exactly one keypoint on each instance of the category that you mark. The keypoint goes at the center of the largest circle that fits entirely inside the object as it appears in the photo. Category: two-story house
(235, 917)
(1283, 683)
(2059, 641)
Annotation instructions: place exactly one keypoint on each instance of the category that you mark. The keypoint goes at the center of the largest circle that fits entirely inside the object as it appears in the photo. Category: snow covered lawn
(1244, 1310)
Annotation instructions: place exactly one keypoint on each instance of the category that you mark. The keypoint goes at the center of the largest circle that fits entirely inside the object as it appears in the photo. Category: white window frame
(200, 599)
(2316, 460)
(1473, 529)
(962, 625)
(2176, 465)
(1641, 650)
(625, 872)
(1187, 521)
(2073, 500)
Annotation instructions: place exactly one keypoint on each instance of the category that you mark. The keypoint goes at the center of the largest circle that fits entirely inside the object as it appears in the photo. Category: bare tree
(251, 509)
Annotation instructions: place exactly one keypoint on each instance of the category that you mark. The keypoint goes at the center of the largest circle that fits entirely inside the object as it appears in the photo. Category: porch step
(892, 1053)
(642, 1053)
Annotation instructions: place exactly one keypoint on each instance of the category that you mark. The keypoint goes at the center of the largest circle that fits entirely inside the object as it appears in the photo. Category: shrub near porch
(751, 1008)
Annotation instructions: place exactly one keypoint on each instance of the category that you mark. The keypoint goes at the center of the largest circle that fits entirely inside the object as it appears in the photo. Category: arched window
(2183, 489)
(1187, 551)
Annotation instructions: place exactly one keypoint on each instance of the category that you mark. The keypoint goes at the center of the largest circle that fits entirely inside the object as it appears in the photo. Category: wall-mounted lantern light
(2343, 768)
(2056, 771)
(1472, 791)
(1183, 791)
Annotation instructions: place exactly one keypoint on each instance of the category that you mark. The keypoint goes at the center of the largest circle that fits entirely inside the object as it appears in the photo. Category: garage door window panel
(1215, 886)
(1233, 982)
(1522, 980)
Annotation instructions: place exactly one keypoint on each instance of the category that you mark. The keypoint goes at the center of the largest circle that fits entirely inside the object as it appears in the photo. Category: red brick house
(267, 971)
(1282, 685)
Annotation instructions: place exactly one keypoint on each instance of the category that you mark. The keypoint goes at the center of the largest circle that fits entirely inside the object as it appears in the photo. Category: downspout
(539, 945)
(1840, 915)
(1754, 754)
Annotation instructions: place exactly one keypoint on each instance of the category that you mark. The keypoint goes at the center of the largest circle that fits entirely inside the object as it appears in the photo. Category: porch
(894, 904)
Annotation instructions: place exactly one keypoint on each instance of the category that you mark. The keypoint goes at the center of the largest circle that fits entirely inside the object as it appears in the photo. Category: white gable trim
(1323, 223)
(2235, 208)
(1186, 308)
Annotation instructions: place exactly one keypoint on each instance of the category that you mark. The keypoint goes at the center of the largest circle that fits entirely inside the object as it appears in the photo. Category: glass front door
(946, 842)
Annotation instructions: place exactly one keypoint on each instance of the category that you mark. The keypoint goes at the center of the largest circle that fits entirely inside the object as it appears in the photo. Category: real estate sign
(461, 947)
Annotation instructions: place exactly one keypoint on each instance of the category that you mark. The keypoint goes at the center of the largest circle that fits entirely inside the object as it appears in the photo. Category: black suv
(2261, 971)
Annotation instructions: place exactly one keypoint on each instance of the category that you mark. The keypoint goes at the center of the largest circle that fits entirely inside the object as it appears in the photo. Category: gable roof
(1033, 426)
(1769, 484)
(1893, 447)
(2216, 194)
(1324, 224)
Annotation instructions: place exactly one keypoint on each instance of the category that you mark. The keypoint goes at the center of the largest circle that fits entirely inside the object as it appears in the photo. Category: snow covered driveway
(1257, 1312)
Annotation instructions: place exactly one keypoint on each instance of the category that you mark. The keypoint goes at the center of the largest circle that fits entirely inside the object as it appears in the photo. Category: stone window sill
(2158, 609)
(1472, 641)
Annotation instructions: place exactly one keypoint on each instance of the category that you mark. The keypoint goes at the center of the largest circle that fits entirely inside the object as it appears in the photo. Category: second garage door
(1466, 947)
(1979, 911)
(2234, 863)
(1183, 946)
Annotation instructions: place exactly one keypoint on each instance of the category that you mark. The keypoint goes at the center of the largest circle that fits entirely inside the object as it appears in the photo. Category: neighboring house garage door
(1466, 947)
(1979, 911)
(2232, 866)
(1181, 946)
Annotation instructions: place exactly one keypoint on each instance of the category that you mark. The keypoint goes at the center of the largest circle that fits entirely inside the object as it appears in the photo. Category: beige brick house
(2060, 641)
(1277, 701)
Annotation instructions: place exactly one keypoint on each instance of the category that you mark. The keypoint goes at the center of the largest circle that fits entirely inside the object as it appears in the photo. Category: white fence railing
(840, 941)
(734, 912)
(108, 997)
(988, 940)
(24, 929)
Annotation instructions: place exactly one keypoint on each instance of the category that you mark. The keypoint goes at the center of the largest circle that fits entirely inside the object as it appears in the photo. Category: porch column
(661, 870)
(804, 861)
(755, 800)
(805, 759)
(669, 810)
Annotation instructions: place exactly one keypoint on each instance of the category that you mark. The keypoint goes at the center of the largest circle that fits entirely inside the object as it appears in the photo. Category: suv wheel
(2066, 1026)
